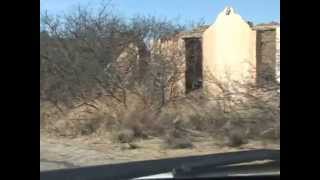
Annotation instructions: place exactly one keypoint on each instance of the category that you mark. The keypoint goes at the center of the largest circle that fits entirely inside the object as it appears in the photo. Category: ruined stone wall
(266, 56)
(172, 52)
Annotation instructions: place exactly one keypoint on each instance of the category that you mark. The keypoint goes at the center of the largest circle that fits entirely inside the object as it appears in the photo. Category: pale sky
(257, 11)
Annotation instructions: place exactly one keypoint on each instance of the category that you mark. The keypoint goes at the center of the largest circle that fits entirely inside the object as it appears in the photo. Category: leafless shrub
(255, 108)
(79, 55)
(81, 123)
(90, 126)
(200, 122)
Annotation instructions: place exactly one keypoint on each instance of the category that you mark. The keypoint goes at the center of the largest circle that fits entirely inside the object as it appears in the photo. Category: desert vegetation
(102, 74)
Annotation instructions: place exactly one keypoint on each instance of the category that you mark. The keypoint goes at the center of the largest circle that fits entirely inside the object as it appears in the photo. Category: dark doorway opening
(193, 75)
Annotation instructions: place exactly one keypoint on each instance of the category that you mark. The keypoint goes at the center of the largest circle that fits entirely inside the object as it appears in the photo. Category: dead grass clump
(235, 139)
(176, 137)
(235, 133)
(91, 125)
(135, 124)
(125, 136)
(177, 140)
(178, 143)
(146, 123)
(138, 122)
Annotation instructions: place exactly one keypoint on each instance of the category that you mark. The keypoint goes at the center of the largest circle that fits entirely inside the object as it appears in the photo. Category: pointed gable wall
(229, 49)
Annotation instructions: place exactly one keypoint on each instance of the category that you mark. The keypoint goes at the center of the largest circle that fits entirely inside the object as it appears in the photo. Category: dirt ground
(88, 151)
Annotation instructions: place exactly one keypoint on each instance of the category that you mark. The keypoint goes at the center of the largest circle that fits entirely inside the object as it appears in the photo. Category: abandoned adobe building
(231, 49)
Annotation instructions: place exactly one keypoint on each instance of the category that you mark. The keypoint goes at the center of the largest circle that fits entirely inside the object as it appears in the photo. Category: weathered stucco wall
(229, 49)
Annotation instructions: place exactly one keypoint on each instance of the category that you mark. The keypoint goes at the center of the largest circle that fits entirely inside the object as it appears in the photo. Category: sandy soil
(58, 153)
